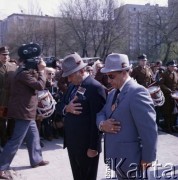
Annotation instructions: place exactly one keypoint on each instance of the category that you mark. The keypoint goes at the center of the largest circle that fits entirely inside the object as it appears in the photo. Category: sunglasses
(111, 76)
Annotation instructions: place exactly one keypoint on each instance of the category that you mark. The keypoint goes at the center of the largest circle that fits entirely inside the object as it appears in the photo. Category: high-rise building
(142, 34)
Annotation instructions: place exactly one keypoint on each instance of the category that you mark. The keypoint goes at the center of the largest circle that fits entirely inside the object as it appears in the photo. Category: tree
(165, 29)
(92, 27)
(32, 27)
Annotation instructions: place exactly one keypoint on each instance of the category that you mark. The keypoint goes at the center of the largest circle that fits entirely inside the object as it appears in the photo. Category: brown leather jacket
(23, 100)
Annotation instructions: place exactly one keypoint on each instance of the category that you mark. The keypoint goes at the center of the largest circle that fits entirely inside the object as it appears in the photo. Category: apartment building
(144, 28)
(142, 34)
(22, 28)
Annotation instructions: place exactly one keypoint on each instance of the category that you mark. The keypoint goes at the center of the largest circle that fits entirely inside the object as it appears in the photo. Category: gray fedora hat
(71, 64)
(116, 62)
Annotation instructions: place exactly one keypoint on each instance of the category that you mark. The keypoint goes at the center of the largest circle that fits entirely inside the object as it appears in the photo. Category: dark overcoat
(81, 132)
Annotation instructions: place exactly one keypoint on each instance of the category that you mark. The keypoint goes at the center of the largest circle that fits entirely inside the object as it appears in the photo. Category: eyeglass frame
(51, 73)
(111, 76)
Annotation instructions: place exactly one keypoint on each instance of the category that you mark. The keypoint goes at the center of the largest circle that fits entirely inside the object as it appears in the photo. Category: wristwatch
(101, 126)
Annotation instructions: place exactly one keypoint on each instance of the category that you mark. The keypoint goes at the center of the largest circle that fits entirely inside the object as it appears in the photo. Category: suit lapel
(125, 90)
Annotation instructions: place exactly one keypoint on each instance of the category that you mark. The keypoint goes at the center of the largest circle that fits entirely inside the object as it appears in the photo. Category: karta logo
(119, 168)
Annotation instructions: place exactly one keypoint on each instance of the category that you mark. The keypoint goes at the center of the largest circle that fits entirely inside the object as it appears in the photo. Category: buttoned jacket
(137, 139)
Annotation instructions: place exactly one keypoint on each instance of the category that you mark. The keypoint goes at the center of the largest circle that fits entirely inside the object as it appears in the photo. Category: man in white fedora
(128, 121)
(84, 98)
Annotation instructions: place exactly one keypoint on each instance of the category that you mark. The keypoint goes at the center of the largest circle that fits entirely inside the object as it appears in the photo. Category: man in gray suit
(128, 121)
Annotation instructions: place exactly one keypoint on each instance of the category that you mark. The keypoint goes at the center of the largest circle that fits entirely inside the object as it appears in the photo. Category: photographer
(28, 79)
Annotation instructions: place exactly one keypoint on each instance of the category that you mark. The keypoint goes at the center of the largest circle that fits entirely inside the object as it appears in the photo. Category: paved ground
(59, 167)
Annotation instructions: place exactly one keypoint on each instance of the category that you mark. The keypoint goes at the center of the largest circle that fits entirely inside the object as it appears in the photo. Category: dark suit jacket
(81, 131)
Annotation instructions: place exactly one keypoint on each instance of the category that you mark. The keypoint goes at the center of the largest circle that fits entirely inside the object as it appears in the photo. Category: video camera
(29, 53)
(50, 62)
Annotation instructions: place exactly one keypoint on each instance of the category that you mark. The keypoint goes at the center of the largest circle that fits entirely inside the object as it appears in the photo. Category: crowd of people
(84, 103)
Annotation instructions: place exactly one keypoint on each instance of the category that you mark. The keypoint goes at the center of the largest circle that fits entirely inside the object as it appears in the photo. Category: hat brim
(145, 59)
(65, 74)
(106, 70)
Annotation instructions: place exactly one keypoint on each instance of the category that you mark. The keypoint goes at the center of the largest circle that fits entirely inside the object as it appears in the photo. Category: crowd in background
(145, 73)
(161, 82)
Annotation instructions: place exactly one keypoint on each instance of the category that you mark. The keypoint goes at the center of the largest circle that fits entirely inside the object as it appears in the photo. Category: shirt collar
(128, 79)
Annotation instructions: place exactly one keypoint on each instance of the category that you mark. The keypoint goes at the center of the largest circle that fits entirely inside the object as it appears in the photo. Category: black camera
(29, 54)
(50, 62)
(32, 63)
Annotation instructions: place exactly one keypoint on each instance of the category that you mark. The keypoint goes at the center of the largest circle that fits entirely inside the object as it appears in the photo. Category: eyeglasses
(111, 76)
(50, 73)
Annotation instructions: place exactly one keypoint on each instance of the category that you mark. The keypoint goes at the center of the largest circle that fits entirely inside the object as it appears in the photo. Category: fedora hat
(116, 62)
(4, 50)
(71, 64)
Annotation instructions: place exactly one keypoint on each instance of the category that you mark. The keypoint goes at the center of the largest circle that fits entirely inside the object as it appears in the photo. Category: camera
(50, 62)
(32, 63)
(29, 53)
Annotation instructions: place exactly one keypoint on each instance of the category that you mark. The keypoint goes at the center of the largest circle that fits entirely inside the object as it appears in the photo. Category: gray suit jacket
(137, 139)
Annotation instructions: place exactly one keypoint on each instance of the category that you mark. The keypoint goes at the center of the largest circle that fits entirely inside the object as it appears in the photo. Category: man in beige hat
(130, 131)
(7, 70)
(84, 98)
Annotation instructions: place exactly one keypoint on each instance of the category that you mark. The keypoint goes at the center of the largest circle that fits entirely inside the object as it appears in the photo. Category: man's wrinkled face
(75, 78)
(116, 79)
(4, 58)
